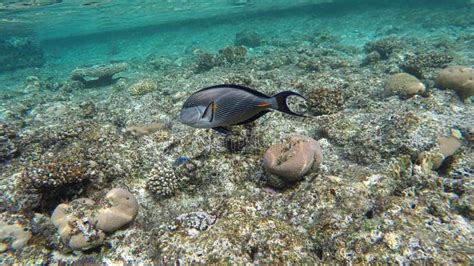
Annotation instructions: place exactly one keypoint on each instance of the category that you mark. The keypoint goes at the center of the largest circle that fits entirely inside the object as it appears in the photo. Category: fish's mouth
(190, 116)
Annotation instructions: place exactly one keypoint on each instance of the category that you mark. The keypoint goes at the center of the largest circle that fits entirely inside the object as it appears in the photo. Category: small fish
(180, 160)
(225, 105)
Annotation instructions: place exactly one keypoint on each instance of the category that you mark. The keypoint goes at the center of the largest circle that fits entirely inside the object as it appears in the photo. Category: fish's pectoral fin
(209, 112)
(255, 117)
(222, 130)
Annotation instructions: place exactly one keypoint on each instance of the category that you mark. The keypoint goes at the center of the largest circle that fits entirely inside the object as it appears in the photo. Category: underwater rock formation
(98, 75)
(19, 52)
(81, 223)
(293, 159)
(458, 78)
(404, 85)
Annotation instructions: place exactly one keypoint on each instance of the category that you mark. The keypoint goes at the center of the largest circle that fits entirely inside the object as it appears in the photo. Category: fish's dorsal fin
(255, 117)
(238, 87)
(209, 112)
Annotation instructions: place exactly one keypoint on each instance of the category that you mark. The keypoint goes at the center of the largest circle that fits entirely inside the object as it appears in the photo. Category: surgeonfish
(220, 106)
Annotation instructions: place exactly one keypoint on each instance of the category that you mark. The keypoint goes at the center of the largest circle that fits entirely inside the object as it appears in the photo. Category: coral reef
(292, 160)
(242, 235)
(143, 86)
(74, 226)
(121, 208)
(197, 220)
(395, 186)
(81, 224)
(66, 160)
(232, 54)
(20, 52)
(325, 101)
(384, 47)
(55, 173)
(12, 236)
(371, 58)
(8, 142)
(227, 56)
(98, 75)
(458, 78)
(433, 159)
(163, 181)
(248, 38)
(205, 61)
(404, 85)
(420, 65)
(160, 63)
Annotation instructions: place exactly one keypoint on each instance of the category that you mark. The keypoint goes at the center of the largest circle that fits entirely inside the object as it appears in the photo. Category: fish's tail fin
(282, 104)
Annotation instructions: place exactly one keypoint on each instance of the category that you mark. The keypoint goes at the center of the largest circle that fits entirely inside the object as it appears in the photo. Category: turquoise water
(397, 155)
(86, 33)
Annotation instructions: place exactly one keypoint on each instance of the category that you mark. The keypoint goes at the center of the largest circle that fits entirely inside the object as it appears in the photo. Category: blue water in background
(75, 33)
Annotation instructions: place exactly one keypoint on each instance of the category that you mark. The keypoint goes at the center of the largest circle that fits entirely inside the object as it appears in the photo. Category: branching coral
(163, 181)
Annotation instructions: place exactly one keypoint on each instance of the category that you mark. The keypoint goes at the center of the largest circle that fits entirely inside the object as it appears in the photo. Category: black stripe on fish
(209, 113)
(239, 87)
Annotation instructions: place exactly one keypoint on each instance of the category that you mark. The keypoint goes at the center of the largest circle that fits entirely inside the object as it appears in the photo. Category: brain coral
(13, 235)
(76, 231)
(81, 223)
(123, 209)
(458, 78)
(293, 159)
(404, 85)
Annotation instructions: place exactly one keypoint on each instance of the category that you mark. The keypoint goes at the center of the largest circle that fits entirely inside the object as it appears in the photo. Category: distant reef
(20, 52)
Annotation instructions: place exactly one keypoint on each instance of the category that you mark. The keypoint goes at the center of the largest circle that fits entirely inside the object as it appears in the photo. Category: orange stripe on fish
(214, 108)
(263, 105)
